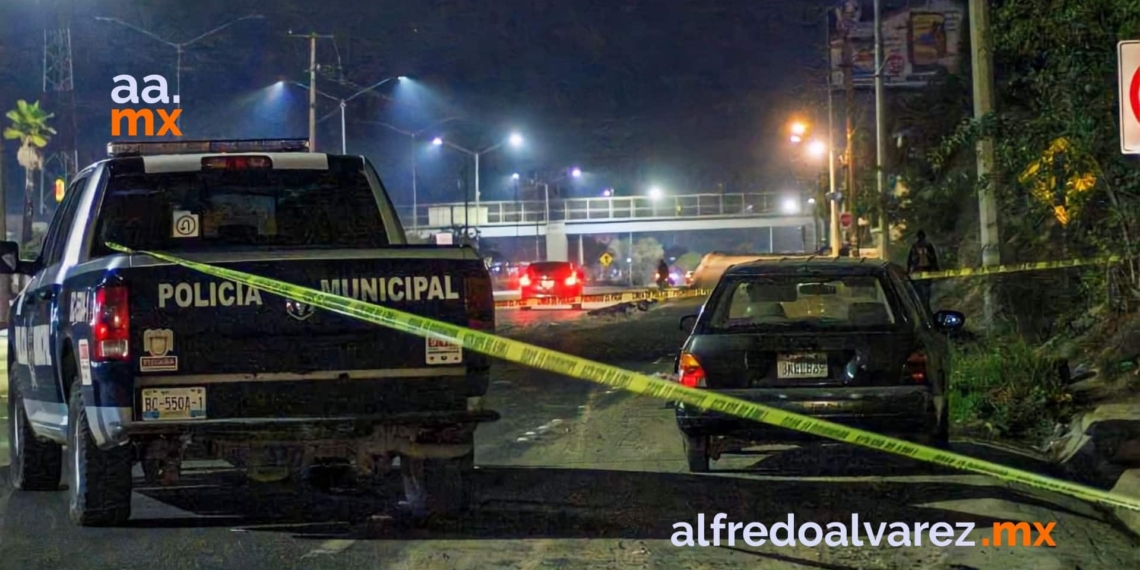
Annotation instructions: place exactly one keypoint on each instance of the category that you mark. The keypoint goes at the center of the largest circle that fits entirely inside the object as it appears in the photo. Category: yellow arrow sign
(1042, 181)
(606, 259)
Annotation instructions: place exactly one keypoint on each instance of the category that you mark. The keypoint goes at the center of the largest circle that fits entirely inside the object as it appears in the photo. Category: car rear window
(259, 208)
(805, 301)
(550, 266)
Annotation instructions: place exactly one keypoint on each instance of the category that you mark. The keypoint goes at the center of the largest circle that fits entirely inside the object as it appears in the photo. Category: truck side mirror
(9, 258)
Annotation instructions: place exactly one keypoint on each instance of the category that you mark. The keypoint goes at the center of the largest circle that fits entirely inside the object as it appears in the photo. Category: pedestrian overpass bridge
(559, 219)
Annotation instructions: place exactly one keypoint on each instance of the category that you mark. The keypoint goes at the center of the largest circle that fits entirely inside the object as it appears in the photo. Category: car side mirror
(687, 323)
(949, 320)
(10, 258)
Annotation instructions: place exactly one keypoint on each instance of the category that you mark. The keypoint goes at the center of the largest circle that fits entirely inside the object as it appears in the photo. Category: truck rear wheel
(448, 483)
(100, 486)
(697, 453)
(36, 465)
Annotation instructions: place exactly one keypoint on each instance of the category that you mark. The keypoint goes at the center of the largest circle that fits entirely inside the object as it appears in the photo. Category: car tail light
(480, 304)
(692, 375)
(572, 280)
(111, 323)
(915, 368)
(524, 281)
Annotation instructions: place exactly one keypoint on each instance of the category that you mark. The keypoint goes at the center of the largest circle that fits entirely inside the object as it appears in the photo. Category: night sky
(689, 94)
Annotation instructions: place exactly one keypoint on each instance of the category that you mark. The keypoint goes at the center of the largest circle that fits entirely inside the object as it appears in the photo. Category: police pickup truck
(117, 359)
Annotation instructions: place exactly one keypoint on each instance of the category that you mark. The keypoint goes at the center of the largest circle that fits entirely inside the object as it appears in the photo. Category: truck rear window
(260, 208)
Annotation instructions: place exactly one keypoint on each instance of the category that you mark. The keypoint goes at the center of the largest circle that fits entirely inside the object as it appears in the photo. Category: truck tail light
(111, 323)
(915, 367)
(692, 375)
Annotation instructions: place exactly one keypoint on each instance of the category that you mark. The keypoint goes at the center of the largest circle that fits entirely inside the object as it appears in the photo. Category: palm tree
(30, 127)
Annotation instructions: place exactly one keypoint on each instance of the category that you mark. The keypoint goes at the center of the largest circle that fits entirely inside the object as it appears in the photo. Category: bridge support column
(557, 244)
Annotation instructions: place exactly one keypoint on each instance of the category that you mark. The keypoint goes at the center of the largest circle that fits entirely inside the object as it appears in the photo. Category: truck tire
(448, 484)
(99, 490)
(36, 464)
(697, 453)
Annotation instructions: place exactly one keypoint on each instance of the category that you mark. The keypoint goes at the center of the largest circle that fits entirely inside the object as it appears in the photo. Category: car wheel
(697, 453)
(36, 464)
(100, 485)
(448, 483)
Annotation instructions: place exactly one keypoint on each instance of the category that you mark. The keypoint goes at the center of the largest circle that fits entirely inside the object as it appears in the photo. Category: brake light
(572, 279)
(692, 375)
(915, 368)
(236, 162)
(524, 280)
(111, 323)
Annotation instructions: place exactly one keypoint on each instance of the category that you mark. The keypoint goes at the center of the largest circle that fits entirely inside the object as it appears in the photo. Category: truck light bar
(205, 147)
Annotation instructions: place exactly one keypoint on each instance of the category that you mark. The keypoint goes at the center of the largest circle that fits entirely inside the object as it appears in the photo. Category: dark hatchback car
(843, 339)
(552, 279)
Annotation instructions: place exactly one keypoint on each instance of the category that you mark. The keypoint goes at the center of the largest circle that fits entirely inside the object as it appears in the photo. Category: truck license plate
(174, 403)
(810, 365)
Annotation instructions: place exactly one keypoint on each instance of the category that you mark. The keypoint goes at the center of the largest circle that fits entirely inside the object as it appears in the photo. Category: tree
(30, 127)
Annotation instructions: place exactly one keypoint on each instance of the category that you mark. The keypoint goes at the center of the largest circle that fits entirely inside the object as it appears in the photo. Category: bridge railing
(616, 208)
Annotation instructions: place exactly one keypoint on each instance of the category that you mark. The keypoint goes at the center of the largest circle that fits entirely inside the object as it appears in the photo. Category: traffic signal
(60, 188)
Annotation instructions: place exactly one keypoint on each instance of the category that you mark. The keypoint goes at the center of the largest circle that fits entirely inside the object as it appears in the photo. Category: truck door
(46, 313)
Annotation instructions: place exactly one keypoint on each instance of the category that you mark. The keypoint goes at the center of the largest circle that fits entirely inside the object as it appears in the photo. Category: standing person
(922, 258)
(662, 274)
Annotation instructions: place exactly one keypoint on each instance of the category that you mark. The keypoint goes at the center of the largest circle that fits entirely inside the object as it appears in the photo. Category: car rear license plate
(810, 365)
(174, 403)
(547, 284)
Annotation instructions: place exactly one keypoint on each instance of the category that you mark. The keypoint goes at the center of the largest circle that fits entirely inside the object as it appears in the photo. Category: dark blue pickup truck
(118, 359)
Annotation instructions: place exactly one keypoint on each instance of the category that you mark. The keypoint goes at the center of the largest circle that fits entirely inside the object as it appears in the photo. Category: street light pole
(313, 93)
(880, 139)
(415, 149)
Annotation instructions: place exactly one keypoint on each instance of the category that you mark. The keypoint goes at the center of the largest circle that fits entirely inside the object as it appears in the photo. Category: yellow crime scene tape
(614, 298)
(1015, 268)
(575, 367)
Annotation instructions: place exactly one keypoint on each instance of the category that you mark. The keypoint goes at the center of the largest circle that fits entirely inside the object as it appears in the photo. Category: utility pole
(849, 87)
(981, 52)
(832, 199)
(313, 37)
(880, 139)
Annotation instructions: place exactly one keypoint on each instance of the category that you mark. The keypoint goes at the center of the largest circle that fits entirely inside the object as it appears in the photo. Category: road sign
(845, 220)
(1128, 79)
(606, 259)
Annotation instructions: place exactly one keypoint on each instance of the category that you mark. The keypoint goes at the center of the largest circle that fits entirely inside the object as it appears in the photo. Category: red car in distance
(546, 279)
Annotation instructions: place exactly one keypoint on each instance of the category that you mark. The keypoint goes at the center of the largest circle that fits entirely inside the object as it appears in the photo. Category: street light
(515, 176)
(514, 139)
(817, 149)
(415, 148)
(576, 172)
(798, 128)
(344, 101)
(180, 47)
(790, 206)
(655, 193)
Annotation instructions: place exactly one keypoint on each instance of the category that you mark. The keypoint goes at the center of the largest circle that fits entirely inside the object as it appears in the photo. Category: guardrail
(615, 208)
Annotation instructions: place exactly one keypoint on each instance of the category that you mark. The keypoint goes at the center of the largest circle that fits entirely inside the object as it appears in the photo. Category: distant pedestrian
(922, 258)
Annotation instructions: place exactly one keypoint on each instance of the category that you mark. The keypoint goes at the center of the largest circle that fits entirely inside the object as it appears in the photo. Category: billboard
(919, 41)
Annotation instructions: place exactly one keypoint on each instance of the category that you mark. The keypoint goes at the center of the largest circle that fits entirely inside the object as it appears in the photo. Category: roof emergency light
(115, 149)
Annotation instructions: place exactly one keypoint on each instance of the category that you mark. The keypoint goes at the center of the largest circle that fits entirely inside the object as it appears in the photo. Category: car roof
(812, 264)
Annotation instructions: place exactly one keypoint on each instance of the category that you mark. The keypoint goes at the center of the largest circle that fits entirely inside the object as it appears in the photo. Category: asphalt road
(574, 476)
